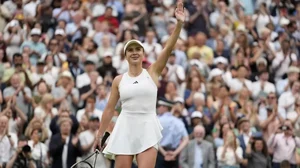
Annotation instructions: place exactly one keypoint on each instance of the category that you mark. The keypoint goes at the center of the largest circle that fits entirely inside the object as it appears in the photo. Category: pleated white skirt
(133, 133)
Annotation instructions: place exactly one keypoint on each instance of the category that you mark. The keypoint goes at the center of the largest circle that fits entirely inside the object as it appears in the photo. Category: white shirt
(286, 99)
(247, 137)
(256, 88)
(152, 50)
(65, 153)
(49, 79)
(229, 158)
(237, 85)
(81, 112)
(30, 8)
(39, 151)
(285, 65)
(4, 150)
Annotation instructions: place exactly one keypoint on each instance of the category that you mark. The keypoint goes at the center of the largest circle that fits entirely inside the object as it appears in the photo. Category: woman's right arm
(109, 109)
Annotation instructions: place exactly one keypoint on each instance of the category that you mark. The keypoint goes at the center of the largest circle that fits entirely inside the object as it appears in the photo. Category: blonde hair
(46, 99)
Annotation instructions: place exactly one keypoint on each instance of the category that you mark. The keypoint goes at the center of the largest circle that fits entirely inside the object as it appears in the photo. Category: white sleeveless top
(138, 94)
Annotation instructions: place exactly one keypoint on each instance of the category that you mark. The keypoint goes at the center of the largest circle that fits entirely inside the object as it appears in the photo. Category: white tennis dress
(137, 127)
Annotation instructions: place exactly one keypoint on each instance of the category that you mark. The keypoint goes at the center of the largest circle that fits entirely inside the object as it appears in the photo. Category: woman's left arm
(157, 67)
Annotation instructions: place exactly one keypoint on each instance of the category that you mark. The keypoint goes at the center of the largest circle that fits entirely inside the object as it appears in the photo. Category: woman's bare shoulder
(117, 80)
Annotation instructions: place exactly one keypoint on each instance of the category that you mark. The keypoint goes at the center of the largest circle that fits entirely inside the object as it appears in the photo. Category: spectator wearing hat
(198, 152)
(261, 65)
(199, 118)
(87, 140)
(262, 86)
(38, 48)
(13, 37)
(285, 84)
(221, 63)
(65, 90)
(107, 71)
(175, 136)
(64, 148)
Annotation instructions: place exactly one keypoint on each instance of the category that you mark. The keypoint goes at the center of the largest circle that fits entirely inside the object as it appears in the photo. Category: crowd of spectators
(233, 78)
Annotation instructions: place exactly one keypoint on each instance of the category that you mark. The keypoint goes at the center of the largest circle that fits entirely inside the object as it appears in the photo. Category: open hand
(179, 12)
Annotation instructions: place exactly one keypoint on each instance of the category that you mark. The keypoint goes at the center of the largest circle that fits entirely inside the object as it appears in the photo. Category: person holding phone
(137, 132)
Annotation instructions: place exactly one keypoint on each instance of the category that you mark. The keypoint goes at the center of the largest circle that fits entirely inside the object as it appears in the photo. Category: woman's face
(84, 121)
(244, 92)
(223, 92)
(193, 74)
(134, 54)
(170, 87)
(225, 129)
(195, 85)
(258, 145)
(35, 136)
(42, 88)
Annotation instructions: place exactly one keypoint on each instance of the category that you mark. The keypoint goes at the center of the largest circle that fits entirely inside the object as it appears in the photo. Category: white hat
(107, 54)
(197, 114)
(199, 95)
(241, 27)
(293, 69)
(59, 32)
(66, 74)
(283, 21)
(165, 102)
(215, 72)
(13, 23)
(179, 100)
(261, 60)
(132, 42)
(221, 60)
(35, 31)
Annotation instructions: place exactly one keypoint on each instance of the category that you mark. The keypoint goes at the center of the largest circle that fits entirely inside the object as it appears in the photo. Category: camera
(26, 149)
(284, 128)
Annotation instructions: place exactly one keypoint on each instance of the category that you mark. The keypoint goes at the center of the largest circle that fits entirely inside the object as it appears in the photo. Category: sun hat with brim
(132, 42)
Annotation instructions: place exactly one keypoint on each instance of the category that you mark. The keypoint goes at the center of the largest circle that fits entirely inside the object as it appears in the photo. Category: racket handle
(106, 135)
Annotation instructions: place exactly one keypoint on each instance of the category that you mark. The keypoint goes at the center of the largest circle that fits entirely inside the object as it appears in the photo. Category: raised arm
(157, 67)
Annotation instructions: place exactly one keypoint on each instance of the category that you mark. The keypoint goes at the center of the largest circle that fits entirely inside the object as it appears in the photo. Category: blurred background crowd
(233, 80)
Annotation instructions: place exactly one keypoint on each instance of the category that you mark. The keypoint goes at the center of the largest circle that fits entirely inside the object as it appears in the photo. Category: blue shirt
(173, 130)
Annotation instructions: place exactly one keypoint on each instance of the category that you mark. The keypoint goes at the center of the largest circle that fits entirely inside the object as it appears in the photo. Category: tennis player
(137, 132)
